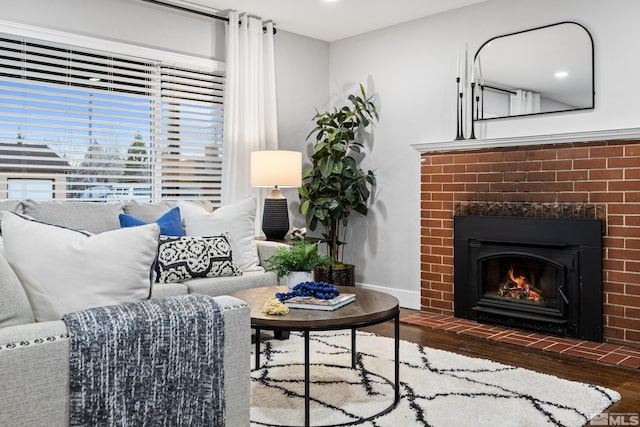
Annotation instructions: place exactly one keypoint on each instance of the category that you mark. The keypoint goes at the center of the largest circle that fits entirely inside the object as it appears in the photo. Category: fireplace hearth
(537, 274)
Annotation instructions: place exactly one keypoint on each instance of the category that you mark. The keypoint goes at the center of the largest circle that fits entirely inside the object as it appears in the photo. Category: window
(30, 188)
(104, 126)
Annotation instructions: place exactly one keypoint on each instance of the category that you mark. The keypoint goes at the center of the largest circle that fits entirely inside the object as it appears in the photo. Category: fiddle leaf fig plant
(335, 185)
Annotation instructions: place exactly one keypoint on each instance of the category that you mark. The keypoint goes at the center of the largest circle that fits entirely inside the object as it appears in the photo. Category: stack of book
(311, 303)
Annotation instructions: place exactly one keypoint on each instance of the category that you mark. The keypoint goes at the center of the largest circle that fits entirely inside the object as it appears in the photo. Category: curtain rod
(499, 89)
(195, 11)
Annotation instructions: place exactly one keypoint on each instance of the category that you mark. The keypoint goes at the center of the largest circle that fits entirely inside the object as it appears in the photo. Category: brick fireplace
(590, 180)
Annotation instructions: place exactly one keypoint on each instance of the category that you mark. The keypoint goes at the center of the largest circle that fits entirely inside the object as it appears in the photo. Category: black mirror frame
(593, 81)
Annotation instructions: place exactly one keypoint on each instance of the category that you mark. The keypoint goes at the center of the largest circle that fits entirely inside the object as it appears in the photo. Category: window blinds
(102, 126)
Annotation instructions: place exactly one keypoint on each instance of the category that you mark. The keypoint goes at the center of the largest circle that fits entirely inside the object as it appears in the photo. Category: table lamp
(276, 169)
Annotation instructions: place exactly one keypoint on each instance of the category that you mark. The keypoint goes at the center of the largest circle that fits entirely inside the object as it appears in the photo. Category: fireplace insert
(538, 274)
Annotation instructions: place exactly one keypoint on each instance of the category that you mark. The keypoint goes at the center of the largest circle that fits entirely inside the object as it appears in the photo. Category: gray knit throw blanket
(150, 363)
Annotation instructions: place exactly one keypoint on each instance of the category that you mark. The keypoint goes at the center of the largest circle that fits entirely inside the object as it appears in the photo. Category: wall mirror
(543, 70)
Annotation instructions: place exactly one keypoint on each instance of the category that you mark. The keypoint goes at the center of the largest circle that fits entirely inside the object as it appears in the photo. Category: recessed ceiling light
(561, 74)
(94, 79)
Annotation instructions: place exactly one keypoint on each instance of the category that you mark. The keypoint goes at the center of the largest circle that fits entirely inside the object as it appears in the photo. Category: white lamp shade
(272, 168)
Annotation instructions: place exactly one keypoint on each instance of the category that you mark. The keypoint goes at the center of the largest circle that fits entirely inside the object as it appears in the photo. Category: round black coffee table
(369, 308)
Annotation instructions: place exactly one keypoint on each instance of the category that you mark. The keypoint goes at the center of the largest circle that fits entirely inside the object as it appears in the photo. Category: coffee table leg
(257, 348)
(353, 349)
(397, 356)
(306, 378)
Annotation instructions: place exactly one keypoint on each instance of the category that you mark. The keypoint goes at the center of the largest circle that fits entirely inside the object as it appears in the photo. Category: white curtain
(250, 117)
(525, 102)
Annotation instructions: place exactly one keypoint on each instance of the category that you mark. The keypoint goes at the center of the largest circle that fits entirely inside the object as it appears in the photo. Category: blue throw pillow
(170, 223)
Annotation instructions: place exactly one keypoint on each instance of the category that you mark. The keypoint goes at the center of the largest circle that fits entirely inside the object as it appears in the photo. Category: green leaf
(361, 208)
(319, 147)
(333, 204)
(350, 197)
(313, 224)
(307, 173)
(364, 192)
(349, 164)
(310, 218)
(323, 201)
(321, 214)
(304, 207)
(337, 167)
(371, 178)
(325, 166)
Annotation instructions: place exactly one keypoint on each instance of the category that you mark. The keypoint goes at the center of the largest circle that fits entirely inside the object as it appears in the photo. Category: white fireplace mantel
(518, 141)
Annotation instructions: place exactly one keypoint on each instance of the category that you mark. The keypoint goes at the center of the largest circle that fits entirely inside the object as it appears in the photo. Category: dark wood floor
(624, 380)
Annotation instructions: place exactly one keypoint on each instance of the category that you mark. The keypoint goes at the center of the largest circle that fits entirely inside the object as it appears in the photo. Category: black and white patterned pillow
(183, 258)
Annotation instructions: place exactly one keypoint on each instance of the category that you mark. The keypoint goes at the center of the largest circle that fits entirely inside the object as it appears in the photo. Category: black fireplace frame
(580, 238)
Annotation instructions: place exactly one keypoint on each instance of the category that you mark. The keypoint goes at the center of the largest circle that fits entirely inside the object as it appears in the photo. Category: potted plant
(297, 262)
(335, 185)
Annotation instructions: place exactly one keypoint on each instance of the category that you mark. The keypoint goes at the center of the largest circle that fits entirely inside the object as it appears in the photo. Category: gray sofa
(34, 357)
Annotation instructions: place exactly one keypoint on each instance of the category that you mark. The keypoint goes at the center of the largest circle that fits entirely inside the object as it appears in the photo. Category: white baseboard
(407, 299)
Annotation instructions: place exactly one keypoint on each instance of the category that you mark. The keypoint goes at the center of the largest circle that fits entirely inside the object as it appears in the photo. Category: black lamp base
(275, 219)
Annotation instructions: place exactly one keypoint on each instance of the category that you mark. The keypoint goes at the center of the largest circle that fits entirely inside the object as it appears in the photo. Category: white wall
(411, 67)
(302, 81)
(129, 21)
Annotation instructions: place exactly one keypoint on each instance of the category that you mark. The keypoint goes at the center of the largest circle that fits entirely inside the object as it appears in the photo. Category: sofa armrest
(237, 360)
(266, 249)
(34, 368)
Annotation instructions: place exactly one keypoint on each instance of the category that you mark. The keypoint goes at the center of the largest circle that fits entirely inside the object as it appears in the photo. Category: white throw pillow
(237, 219)
(188, 208)
(64, 270)
(14, 304)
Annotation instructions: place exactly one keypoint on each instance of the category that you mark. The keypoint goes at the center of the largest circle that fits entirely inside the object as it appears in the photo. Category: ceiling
(337, 19)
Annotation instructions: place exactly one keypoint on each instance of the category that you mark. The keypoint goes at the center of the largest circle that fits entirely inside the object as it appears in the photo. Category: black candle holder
(459, 110)
(473, 135)
(482, 101)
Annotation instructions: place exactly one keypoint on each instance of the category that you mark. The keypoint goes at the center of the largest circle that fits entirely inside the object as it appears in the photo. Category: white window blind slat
(174, 72)
(46, 72)
(103, 126)
(22, 46)
(48, 93)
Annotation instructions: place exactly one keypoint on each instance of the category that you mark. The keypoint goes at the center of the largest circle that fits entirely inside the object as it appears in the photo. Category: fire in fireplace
(519, 285)
(530, 273)
(523, 279)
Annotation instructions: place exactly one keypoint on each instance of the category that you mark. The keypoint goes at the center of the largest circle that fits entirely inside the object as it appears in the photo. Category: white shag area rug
(438, 388)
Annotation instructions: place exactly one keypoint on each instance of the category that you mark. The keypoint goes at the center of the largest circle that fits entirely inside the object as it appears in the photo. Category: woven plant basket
(322, 274)
(343, 275)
